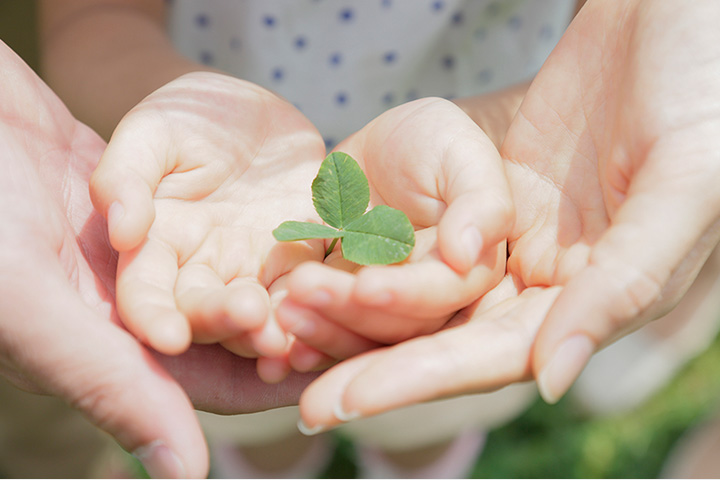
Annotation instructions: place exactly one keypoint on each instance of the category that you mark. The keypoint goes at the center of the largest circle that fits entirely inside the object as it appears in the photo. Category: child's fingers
(322, 334)
(241, 345)
(270, 340)
(123, 184)
(388, 303)
(385, 315)
(304, 358)
(480, 211)
(273, 369)
(146, 303)
(215, 310)
(429, 287)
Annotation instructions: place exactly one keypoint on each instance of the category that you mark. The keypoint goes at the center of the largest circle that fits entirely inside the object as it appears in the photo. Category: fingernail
(564, 367)
(305, 430)
(160, 461)
(344, 416)
(473, 243)
(115, 214)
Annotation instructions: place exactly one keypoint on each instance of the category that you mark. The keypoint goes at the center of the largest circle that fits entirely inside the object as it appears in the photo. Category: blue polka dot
(278, 74)
(269, 21)
(515, 22)
(388, 98)
(202, 20)
(235, 44)
(484, 76)
(300, 42)
(448, 62)
(329, 143)
(437, 5)
(390, 57)
(346, 15)
(386, 3)
(341, 98)
(335, 59)
(457, 19)
(207, 58)
(546, 32)
(412, 95)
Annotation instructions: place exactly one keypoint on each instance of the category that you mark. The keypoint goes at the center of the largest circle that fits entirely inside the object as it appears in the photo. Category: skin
(197, 259)
(60, 335)
(208, 315)
(454, 191)
(613, 164)
(194, 179)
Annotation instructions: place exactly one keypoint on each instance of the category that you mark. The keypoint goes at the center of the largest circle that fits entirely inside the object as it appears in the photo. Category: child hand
(428, 159)
(192, 183)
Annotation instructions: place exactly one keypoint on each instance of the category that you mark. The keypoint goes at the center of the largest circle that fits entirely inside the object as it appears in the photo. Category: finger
(429, 287)
(273, 370)
(320, 333)
(217, 311)
(268, 339)
(146, 301)
(123, 184)
(381, 304)
(480, 212)
(304, 358)
(490, 352)
(325, 295)
(637, 271)
(111, 378)
(241, 345)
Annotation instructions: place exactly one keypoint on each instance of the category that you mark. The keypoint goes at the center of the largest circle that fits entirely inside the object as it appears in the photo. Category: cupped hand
(193, 182)
(613, 161)
(429, 160)
(59, 332)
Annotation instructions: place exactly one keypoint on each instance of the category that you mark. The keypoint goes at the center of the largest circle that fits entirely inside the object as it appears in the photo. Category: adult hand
(429, 160)
(193, 182)
(613, 161)
(59, 333)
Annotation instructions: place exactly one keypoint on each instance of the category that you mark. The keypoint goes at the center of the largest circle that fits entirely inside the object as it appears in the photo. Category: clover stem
(331, 247)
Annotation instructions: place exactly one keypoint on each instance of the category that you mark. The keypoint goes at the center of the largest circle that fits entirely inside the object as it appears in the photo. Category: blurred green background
(547, 441)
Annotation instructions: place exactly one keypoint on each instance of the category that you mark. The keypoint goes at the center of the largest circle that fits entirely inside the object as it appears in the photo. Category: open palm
(194, 180)
(613, 163)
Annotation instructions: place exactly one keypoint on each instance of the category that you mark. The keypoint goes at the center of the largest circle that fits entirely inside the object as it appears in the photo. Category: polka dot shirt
(343, 62)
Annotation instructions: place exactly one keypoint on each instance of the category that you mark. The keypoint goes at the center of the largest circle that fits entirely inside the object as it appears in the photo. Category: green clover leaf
(341, 196)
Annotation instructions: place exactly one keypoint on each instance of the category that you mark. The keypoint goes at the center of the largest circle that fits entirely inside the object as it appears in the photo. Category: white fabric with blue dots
(343, 62)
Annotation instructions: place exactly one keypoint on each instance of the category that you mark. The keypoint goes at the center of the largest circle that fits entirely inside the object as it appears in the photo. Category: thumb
(102, 371)
(124, 182)
(637, 271)
(480, 212)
